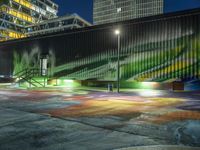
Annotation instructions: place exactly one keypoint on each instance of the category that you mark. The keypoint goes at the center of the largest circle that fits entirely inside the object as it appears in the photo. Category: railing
(12, 34)
(28, 75)
(17, 14)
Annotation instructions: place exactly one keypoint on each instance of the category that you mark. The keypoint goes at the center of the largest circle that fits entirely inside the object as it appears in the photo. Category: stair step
(32, 77)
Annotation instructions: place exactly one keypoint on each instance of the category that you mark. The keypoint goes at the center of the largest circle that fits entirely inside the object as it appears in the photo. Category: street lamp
(117, 32)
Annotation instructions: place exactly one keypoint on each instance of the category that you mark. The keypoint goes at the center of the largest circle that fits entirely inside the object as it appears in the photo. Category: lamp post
(117, 32)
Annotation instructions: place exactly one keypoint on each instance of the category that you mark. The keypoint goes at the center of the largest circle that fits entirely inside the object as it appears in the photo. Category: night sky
(84, 7)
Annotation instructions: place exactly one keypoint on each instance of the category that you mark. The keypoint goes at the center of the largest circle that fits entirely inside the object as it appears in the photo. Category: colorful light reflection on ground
(161, 118)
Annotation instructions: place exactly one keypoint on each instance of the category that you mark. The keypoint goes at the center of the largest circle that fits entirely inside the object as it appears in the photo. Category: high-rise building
(24, 18)
(106, 11)
(15, 15)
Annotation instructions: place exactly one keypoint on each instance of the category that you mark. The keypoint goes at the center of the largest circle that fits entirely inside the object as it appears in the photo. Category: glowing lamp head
(117, 32)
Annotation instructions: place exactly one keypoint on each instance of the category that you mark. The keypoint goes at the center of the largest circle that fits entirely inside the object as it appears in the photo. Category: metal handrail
(28, 74)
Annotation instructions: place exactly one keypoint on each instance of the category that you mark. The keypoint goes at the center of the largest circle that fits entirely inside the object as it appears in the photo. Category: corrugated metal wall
(151, 50)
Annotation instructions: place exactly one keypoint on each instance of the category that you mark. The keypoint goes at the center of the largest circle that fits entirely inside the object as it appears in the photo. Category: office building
(107, 11)
(15, 15)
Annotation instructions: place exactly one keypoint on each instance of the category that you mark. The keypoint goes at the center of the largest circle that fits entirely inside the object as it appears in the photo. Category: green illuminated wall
(162, 48)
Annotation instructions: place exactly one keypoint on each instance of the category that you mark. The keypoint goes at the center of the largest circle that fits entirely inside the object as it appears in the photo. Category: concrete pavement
(63, 118)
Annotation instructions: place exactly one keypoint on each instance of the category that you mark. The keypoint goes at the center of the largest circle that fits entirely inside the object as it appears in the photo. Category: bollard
(110, 87)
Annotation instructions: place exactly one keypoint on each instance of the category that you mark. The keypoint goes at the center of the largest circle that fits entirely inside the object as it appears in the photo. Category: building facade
(107, 11)
(67, 22)
(15, 15)
(161, 48)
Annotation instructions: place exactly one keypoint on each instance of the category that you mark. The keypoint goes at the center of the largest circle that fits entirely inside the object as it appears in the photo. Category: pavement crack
(111, 129)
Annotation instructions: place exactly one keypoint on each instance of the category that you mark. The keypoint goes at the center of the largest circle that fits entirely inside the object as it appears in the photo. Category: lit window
(119, 10)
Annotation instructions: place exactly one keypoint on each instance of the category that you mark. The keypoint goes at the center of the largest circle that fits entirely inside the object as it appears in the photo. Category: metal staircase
(29, 75)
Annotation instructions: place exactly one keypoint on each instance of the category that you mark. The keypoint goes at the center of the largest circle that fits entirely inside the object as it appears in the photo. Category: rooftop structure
(71, 21)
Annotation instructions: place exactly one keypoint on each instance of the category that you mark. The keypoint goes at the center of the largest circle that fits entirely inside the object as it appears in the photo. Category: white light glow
(150, 93)
(117, 32)
(68, 81)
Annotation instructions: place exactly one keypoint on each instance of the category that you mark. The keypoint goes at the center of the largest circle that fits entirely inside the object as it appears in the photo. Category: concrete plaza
(77, 119)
